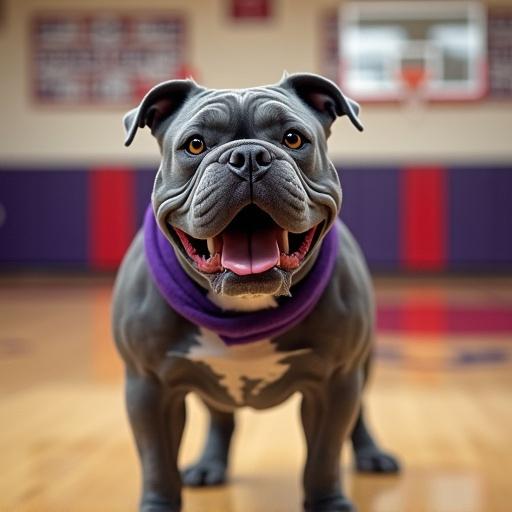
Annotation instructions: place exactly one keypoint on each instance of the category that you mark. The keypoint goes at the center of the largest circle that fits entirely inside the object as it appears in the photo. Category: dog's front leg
(157, 418)
(328, 412)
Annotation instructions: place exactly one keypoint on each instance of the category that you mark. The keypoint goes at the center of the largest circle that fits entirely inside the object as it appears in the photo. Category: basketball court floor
(440, 398)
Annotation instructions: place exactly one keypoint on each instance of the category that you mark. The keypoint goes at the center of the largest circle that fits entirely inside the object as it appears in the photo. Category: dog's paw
(337, 503)
(155, 503)
(158, 508)
(205, 473)
(374, 460)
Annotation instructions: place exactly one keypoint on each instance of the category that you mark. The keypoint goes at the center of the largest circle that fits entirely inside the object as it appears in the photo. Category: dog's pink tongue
(249, 253)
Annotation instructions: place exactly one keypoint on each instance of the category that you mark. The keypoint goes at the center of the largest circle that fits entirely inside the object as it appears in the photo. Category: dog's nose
(250, 161)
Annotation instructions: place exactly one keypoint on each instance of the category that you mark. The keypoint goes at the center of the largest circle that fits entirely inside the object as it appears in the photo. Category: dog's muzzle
(255, 186)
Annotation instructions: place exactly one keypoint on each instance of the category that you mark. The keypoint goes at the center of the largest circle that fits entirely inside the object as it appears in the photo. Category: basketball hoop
(413, 77)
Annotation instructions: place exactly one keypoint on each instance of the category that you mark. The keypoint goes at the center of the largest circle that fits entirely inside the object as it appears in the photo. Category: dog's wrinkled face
(245, 191)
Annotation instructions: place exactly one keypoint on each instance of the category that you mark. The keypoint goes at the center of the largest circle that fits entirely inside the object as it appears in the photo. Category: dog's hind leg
(369, 457)
(211, 468)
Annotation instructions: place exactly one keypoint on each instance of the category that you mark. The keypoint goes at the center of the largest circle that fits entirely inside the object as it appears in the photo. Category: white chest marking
(236, 364)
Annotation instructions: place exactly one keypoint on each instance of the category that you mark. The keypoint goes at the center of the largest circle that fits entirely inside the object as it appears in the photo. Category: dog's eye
(196, 145)
(293, 140)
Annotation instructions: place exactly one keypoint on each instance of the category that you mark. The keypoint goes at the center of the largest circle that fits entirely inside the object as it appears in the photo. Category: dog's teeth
(214, 245)
(211, 246)
(283, 242)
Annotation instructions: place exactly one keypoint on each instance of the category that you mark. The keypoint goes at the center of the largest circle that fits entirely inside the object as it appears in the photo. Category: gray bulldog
(243, 286)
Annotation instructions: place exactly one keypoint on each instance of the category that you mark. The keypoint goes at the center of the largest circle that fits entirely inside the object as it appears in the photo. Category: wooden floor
(440, 398)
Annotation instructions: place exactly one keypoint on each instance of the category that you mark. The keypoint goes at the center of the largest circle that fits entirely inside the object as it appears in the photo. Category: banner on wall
(104, 59)
(500, 53)
(251, 9)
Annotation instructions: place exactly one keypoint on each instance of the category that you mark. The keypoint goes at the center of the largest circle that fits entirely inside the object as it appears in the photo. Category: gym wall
(424, 190)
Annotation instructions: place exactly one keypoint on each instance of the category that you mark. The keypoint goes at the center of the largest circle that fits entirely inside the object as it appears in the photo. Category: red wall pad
(111, 215)
(423, 218)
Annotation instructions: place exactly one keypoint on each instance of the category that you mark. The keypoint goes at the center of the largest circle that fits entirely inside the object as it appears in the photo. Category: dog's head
(245, 191)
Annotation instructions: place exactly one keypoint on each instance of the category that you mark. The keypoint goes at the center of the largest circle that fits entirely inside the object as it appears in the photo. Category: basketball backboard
(436, 48)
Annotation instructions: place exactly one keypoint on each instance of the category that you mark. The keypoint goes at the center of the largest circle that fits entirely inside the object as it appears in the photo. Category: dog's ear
(322, 96)
(159, 103)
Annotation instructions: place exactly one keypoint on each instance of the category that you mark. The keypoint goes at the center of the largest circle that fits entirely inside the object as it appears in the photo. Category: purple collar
(190, 300)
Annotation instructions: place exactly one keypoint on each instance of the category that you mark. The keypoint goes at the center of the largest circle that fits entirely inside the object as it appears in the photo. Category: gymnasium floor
(440, 398)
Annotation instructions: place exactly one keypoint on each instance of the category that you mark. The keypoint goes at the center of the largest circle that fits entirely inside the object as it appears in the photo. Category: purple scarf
(189, 300)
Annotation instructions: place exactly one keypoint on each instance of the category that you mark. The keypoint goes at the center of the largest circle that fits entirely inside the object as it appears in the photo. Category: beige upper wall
(229, 54)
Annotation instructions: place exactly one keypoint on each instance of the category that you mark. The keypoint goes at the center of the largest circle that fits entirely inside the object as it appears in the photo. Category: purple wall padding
(47, 221)
(370, 209)
(45, 217)
(480, 218)
(144, 179)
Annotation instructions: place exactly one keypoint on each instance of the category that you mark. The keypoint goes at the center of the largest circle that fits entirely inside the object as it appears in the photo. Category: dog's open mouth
(251, 244)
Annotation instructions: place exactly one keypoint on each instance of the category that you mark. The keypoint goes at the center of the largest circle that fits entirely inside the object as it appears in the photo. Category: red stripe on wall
(111, 215)
(423, 218)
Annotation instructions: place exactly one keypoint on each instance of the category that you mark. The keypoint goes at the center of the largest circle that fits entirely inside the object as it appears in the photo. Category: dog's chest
(237, 365)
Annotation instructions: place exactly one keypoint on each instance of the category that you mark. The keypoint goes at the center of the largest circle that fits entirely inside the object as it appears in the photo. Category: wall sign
(103, 59)
(500, 53)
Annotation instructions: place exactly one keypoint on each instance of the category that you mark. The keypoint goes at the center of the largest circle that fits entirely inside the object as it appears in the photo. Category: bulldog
(243, 286)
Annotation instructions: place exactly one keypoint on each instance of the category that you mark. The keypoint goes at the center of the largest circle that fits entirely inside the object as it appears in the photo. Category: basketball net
(413, 78)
